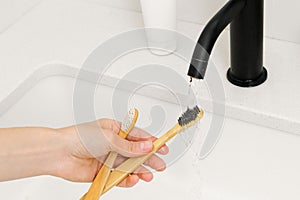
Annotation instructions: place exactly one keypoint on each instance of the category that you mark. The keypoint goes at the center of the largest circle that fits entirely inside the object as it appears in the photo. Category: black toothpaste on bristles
(189, 116)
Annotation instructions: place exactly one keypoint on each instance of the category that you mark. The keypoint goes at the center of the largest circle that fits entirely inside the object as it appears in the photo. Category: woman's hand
(87, 146)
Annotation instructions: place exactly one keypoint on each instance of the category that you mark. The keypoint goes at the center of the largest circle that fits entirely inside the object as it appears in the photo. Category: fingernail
(164, 149)
(146, 146)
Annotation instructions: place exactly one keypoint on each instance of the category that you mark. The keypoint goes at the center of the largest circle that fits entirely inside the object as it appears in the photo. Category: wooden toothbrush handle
(131, 164)
(98, 184)
(97, 187)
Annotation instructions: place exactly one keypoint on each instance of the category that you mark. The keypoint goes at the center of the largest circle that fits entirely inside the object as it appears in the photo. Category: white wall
(12, 10)
(282, 17)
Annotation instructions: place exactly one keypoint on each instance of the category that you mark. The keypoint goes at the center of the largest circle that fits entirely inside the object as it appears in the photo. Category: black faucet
(246, 19)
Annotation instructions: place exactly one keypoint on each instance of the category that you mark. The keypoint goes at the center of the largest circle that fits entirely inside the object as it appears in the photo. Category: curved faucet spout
(210, 34)
(246, 19)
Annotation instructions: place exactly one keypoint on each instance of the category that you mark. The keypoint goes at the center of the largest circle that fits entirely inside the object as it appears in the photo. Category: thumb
(131, 148)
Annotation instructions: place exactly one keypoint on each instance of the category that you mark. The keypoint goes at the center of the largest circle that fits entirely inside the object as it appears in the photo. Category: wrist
(70, 153)
(28, 152)
(57, 152)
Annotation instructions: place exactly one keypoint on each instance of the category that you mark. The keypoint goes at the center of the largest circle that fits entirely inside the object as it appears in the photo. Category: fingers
(130, 148)
(153, 162)
(138, 134)
(110, 124)
(164, 150)
(156, 163)
(138, 147)
(129, 181)
(142, 173)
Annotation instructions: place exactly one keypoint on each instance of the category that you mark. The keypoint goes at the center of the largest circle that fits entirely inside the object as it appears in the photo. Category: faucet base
(247, 83)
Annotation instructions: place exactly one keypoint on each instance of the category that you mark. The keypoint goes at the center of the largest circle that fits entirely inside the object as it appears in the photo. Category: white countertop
(67, 31)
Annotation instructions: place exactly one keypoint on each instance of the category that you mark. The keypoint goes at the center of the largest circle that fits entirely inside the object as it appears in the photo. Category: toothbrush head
(190, 117)
(129, 122)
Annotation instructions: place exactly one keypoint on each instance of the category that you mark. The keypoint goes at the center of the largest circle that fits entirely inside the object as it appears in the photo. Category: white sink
(249, 161)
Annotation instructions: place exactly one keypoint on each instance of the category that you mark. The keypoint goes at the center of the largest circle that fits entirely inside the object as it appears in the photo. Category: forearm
(26, 152)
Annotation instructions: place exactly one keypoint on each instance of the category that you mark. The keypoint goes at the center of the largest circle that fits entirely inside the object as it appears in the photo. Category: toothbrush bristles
(126, 124)
(189, 117)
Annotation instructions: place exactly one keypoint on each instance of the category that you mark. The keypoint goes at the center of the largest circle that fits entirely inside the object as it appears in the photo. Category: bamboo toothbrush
(98, 184)
(188, 119)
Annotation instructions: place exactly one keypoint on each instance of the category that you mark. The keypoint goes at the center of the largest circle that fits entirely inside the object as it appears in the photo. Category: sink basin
(249, 161)
(49, 103)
